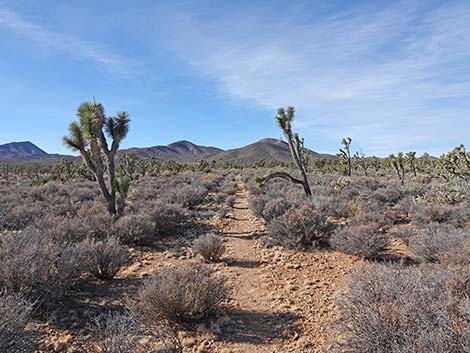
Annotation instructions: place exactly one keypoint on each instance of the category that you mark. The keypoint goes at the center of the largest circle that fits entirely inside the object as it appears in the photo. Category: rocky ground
(280, 300)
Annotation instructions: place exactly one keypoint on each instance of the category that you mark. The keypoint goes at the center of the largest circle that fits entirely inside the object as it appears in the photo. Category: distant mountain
(24, 151)
(183, 151)
(179, 151)
(267, 149)
(20, 150)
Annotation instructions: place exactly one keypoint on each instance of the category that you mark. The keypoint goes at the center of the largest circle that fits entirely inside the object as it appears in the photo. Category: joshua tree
(345, 155)
(398, 163)
(64, 170)
(424, 164)
(128, 166)
(375, 163)
(362, 161)
(411, 161)
(88, 136)
(297, 150)
(5, 171)
(173, 167)
(203, 166)
(455, 163)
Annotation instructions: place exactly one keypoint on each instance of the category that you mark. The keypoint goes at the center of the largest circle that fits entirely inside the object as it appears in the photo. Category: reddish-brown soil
(283, 300)
(280, 300)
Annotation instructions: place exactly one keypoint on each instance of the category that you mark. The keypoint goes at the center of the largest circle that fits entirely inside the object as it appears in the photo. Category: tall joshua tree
(88, 136)
(362, 161)
(411, 161)
(398, 163)
(297, 150)
(345, 155)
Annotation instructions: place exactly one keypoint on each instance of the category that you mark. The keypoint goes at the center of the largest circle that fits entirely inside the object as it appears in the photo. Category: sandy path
(254, 326)
(283, 300)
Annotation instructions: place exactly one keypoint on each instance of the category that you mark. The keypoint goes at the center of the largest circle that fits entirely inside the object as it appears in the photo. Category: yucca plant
(88, 136)
(398, 164)
(455, 164)
(345, 155)
(361, 161)
(297, 150)
(411, 161)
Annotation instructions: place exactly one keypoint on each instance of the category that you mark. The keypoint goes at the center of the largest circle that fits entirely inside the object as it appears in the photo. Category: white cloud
(63, 43)
(385, 75)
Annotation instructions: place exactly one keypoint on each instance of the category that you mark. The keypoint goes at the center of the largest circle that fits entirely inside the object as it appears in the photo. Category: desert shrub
(33, 264)
(373, 211)
(182, 293)
(275, 208)
(258, 203)
(461, 216)
(439, 242)
(406, 204)
(460, 255)
(15, 312)
(369, 183)
(135, 229)
(424, 213)
(388, 195)
(350, 192)
(389, 309)
(62, 207)
(230, 201)
(413, 190)
(210, 246)
(167, 217)
(364, 240)
(21, 216)
(124, 333)
(228, 188)
(95, 220)
(64, 228)
(404, 233)
(218, 198)
(208, 184)
(82, 194)
(188, 195)
(301, 227)
(102, 258)
(445, 194)
(334, 205)
(223, 212)
(76, 229)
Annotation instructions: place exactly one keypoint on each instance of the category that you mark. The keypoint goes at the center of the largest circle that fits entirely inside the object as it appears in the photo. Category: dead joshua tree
(297, 150)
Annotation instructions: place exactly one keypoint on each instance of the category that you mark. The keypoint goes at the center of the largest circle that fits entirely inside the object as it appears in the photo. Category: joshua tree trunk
(88, 137)
(346, 154)
(296, 146)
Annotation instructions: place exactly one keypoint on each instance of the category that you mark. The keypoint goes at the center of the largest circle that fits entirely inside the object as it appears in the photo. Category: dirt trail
(282, 299)
(254, 326)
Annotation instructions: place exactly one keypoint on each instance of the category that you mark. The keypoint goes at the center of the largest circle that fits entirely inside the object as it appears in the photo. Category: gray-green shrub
(103, 258)
(301, 227)
(210, 246)
(364, 240)
(33, 264)
(390, 309)
(182, 293)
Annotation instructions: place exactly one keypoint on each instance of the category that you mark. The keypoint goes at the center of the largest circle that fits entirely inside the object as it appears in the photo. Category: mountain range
(182, 151)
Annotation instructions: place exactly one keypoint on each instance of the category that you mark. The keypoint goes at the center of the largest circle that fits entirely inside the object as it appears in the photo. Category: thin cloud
(391, 63)
(63, 43)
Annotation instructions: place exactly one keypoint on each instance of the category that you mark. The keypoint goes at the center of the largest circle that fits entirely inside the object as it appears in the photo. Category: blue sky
(393, 75)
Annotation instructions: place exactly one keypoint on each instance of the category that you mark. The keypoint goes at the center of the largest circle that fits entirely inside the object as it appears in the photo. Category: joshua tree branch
(282, 175)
